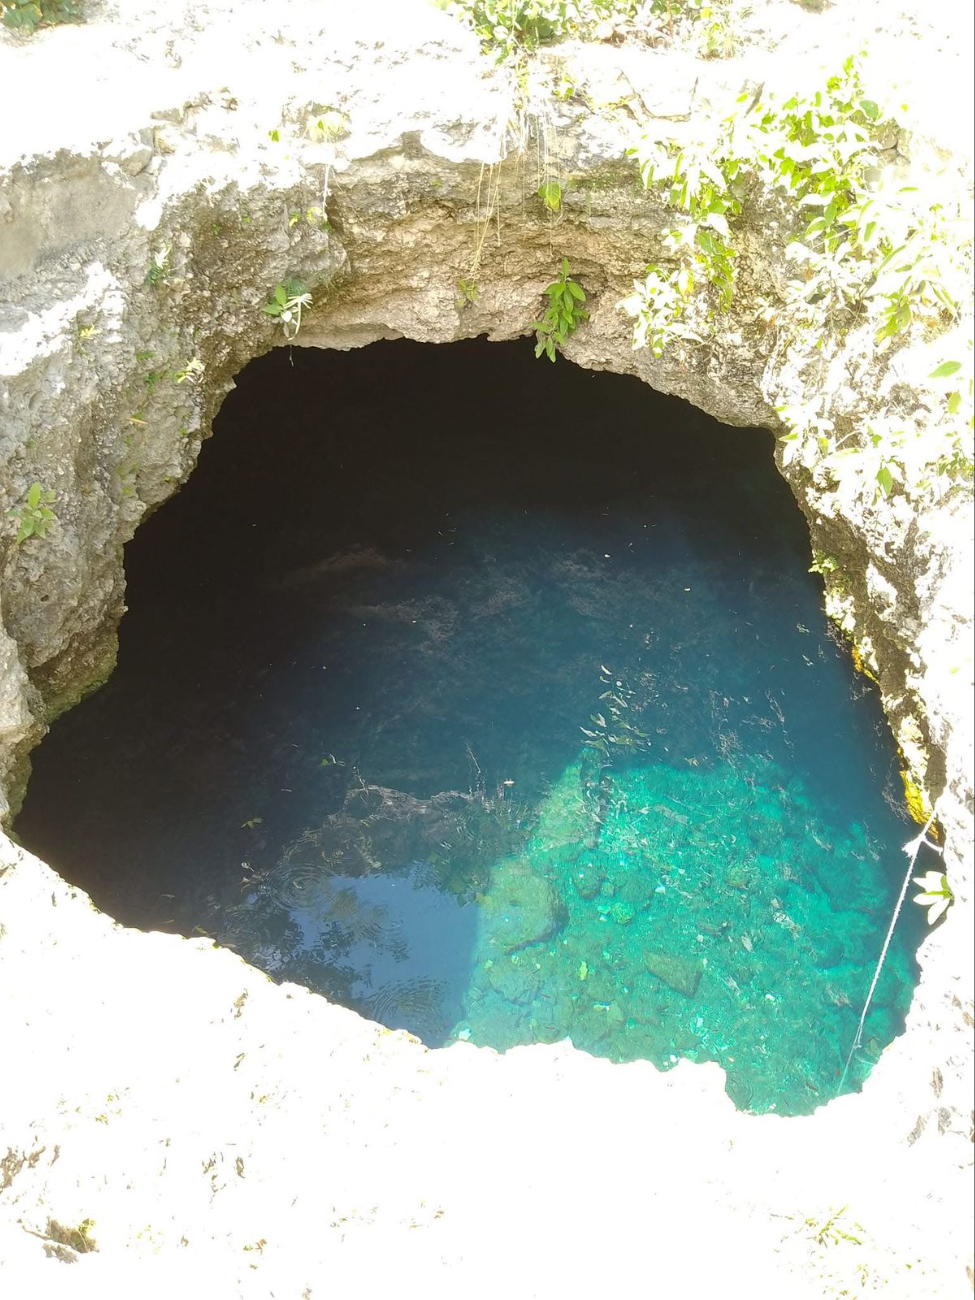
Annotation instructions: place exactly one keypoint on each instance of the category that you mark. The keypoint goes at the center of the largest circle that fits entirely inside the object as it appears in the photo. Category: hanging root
(912, 848)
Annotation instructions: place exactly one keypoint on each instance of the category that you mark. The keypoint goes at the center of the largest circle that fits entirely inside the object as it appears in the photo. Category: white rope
(913, 848)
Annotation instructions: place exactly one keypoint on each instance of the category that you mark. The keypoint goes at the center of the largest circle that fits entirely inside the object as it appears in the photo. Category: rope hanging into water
(914, 845)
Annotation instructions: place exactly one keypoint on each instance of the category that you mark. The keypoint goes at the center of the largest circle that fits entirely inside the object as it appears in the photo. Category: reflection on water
(503, 729)
(393, 945)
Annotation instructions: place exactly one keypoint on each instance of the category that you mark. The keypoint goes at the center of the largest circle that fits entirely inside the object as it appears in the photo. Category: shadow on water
(404, 591)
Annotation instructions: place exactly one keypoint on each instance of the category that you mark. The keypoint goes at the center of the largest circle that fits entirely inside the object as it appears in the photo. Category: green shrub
(26, 15)
(512, 26)
(866, 251)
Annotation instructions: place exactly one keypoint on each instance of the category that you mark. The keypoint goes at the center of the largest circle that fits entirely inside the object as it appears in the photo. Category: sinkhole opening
(494, 700)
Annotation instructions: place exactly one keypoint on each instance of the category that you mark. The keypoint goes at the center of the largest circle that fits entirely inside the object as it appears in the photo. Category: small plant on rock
(191, 373)
(824, 563)
(564, 315)
(327, 127)
(35, 516)
(935, 894)
(311, 216)
(78, 1238)
(287, 302)
(550, 192)
(158, 265)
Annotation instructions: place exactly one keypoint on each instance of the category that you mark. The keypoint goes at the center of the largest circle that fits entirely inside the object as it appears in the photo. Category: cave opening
(495, 700)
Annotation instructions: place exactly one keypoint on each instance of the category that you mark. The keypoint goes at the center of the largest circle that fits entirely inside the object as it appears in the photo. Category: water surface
(495, 700)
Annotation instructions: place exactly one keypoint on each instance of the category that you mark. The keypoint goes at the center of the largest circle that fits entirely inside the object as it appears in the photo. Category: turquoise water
(494, 700)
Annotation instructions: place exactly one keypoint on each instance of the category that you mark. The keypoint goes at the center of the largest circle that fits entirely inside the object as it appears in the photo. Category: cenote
(494, 700)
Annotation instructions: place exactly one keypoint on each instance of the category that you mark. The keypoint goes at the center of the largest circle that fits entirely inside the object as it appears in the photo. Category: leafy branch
(564, 314)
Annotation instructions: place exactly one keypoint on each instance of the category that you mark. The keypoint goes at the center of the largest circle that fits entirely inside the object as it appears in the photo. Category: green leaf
(945, 370)
(280, 294)
(28, 16)
(870, 109)
(938, 909)
(706, 241)
(944, 298)
(550, 192)
(885, 480)
(934, 883)
(577, 291)
(34, 496)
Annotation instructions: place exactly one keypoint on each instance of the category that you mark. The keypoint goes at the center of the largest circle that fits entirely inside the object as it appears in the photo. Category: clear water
(494, 700)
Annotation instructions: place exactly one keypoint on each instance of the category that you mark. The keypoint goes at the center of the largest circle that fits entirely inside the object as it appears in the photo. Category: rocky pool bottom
(509, 720)
(651, 914)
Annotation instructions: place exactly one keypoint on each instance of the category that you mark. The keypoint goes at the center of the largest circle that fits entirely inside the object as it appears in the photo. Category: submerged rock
(679, 973)
(520, 908)
(622, 912)
(516, 979)
(827, 950)
(588, 880)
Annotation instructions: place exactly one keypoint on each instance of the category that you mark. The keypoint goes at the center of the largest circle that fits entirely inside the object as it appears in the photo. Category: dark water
(494, 699)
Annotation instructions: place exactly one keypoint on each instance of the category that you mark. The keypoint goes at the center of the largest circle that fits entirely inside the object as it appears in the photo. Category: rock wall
(380, 159)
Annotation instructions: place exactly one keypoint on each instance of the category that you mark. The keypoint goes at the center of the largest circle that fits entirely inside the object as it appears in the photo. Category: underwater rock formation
(678, 973)
(520, 908)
